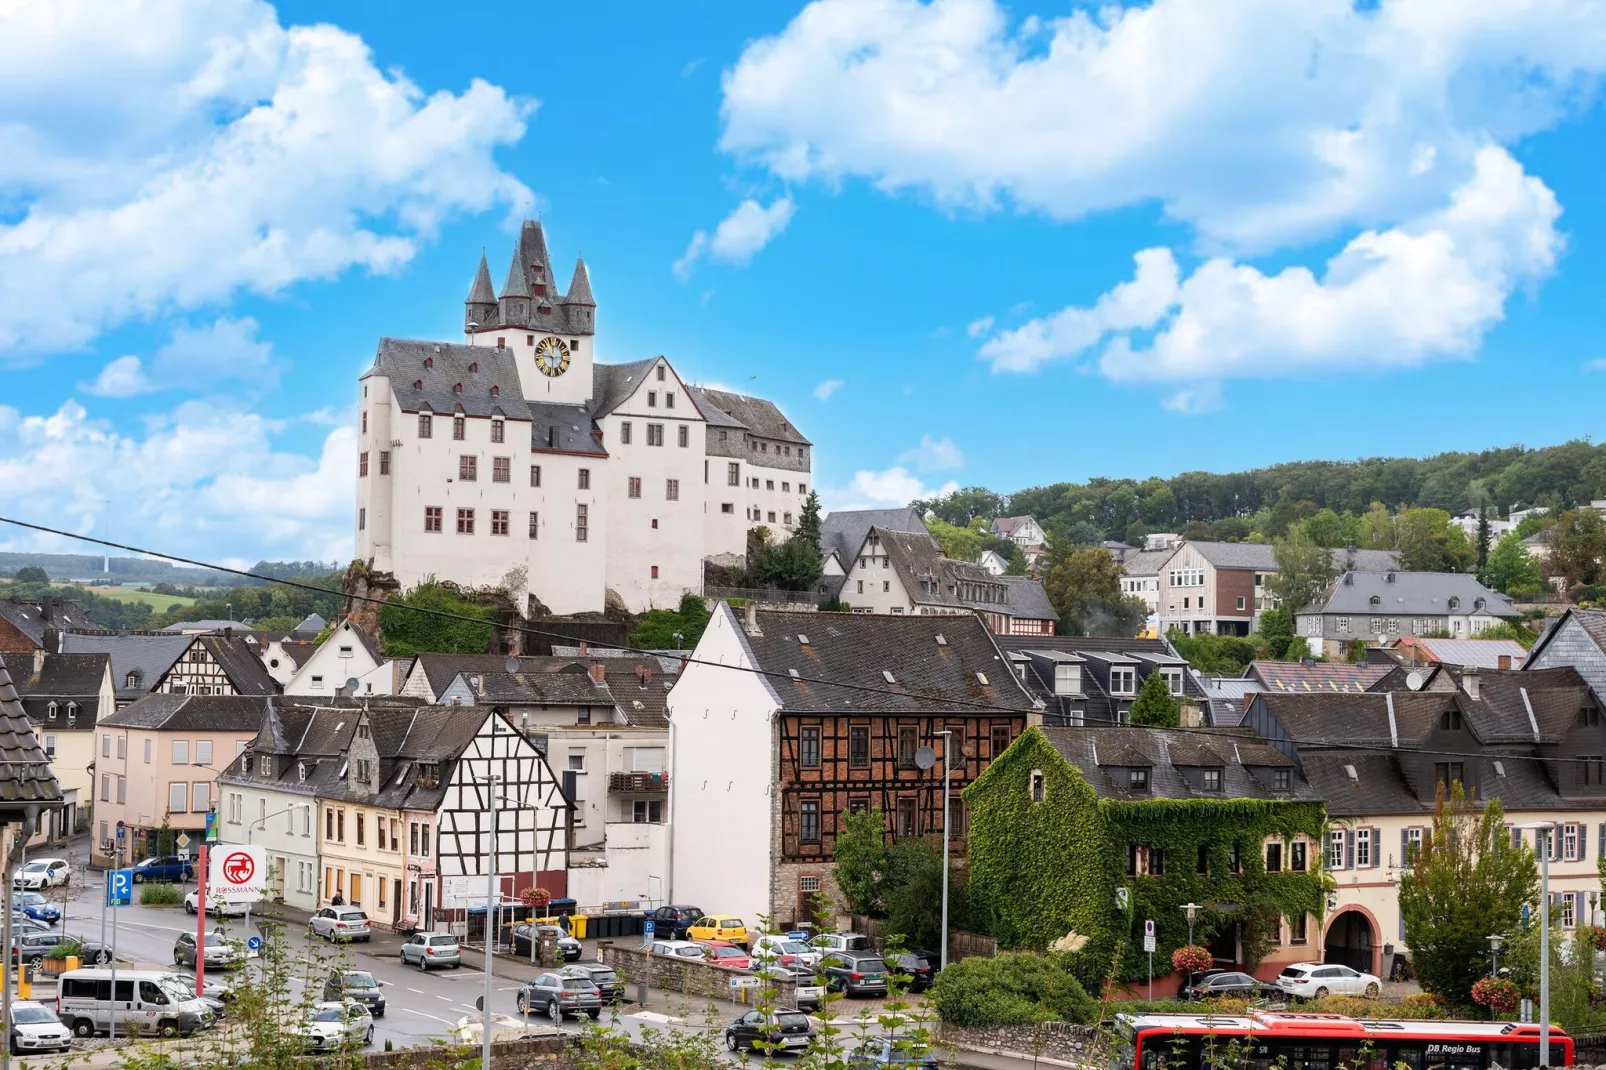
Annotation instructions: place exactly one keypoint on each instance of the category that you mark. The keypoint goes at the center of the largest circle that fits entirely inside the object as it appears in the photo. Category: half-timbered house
(784, 722)
(224, 664)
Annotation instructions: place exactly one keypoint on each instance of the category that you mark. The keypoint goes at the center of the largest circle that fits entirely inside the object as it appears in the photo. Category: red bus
(1280, 1040)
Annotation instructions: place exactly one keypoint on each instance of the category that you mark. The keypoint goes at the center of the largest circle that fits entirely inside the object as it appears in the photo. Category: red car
(725, 953)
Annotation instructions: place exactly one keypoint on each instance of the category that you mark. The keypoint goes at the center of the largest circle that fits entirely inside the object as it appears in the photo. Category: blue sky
(958, 242)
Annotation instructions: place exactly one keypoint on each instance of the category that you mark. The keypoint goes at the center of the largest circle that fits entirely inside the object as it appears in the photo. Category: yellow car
(718, 927)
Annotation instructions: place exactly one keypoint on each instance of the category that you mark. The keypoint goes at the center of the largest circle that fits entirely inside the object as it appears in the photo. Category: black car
(1228, 984)
(606, 978)
(856, 973)
(671, 922)
(568, 947)
(359, 985)
(901, 1052)
(919, 969)
(787, 1030)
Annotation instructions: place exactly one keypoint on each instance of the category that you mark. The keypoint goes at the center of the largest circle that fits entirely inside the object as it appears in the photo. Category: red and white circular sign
(239, 868)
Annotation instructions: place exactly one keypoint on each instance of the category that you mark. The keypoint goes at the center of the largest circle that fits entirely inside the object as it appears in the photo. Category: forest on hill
(1263, 503)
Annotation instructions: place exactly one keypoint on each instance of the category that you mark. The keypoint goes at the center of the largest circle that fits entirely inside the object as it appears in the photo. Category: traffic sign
(120, 888)
(238, 874)
(744, 982)
(1148, 928)
(183, 840)
(1148, 944)
(253, 943)
(183, 854)
(648, 929)
(121, 831)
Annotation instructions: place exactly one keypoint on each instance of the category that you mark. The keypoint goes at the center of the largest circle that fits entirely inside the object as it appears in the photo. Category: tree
(1085, 589)
(794, 565)
(1428, 542)
(1277, 631)
(808, 523)
(1155, 704)
(1221, 655)
(959, 543)
(408, 633)
(1510, 568)
(1578, 547)
(1483, 535)
(860, 852)
(672, 629)
(1304, 569)
(1466, 883)
(960, 507)
(31, 574)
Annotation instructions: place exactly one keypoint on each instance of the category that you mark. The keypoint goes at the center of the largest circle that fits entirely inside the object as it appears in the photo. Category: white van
(146, 1001)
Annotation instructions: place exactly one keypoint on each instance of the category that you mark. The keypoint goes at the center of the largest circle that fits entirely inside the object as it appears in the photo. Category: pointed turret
(480, 308)
(515, 299)
(578, 303)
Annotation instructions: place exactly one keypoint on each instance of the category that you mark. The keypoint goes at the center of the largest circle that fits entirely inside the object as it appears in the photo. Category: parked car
(679, 949)
(901, 1052)
(1313, 980)
(146, 1000)
(810, 986)
(787, 1030)
(42, 873)
(35, 1028)
(359, 985)
(164, 870)
(428, 950)
(1230, 984)
(568, 947)
(217, 907)
(785, 950)
(220, 951)
(217, 996)
(724, 953)
(829, 942)
(560, 997)
(856, 973)
(341, 923)
(605, 977)
(718, 927)
(37, 907)
(335, 1026)
(671, 922)
(33, 946)
(22, 923)
(919, 969)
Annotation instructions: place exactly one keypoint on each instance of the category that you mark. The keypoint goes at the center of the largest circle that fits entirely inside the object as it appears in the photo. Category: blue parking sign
(647, 929)
(120, 888)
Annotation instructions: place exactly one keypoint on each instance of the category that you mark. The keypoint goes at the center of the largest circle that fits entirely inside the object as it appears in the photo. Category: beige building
(1533, 739)
(157, 762)
(65, 695)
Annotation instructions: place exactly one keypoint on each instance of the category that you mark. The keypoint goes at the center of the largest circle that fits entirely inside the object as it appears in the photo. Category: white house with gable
(349, 653)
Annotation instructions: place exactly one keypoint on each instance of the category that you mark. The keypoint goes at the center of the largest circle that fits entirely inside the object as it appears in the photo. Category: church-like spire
(481, 293)
(580, 286)
(517, 285)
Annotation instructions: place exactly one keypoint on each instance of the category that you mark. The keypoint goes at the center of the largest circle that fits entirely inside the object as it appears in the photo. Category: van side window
(149, 993)
(125, 992)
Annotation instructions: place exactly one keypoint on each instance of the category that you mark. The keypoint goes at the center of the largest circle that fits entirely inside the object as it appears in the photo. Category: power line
(688, 659)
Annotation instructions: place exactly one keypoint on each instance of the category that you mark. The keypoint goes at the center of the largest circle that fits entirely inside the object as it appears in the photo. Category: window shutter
(1349, 848)
(1601, 846)
(1583, 842)
(1405, 842)
(1377, 847)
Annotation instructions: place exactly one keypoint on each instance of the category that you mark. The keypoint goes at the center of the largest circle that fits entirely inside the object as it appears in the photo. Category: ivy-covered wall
(1040, 870)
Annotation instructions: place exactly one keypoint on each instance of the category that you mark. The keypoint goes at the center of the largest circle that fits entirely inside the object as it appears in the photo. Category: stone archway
(1352, 940)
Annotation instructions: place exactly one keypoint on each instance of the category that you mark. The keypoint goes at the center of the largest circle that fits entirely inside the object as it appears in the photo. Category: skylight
(1499, 769)
(981, 678)
(792, 673)
(886, 674)
(801, 638)
(1349, 771)
(940, 640)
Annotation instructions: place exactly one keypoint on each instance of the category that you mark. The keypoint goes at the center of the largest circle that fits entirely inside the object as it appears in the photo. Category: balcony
(638, 782)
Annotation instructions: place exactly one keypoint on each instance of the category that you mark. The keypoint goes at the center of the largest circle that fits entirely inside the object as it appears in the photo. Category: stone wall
(536, 1053)
(1051, 1040)
(685, 976)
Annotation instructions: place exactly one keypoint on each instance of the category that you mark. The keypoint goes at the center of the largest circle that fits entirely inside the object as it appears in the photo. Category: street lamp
(1494, 955)
(1192, 910)
(1543, 842)
(490, 892)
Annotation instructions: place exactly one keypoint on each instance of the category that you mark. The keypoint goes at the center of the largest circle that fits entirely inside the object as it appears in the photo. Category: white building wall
(721, 757)
(290, 839)
(573, 387)
(635, 868)
(775, 497)
(873, 585)
(341, 657)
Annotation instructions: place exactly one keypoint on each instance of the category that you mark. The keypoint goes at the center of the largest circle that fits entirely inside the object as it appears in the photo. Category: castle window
(465, 521)
(499, 526)
(457, 388)
(585, 479)
(459, 427)
(574, 346)
(529, 339)
(384, 462)
(429, 362)
(432, 518)
(535, 525)
(685, 434)
(546, 310)
(473, 367)
(426, 424)
(624, 432)
(496, 392)
(418, 384)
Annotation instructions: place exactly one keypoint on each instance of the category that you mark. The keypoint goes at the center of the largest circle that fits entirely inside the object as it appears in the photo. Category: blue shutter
(1377, 847)
(1583, 842)
(1405, 856)
(1349, 848)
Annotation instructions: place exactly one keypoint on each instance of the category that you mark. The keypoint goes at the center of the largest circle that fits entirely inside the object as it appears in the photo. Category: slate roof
(1592, 621)
(1410, 593)
(1035, 655)
(1103, 753)
(188, 713)
(857, 649)
(298, 651)
(559, 688)
(148, 655)
(612, 384)
(198, 627)
(75, 676)
(758, 415)
(311, 626)
(916, 555)
(29, 618)
(26, 782)
(481, 291)
(1260, 556)
(240, 663)
(1478, 653)
(1007, 525)
(1225, 696)
(844, 530)
(1147, 562)
(1028, 599)
(1332, 676)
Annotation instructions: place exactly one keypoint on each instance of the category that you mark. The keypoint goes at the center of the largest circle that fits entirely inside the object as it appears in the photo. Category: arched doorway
(1350, 941)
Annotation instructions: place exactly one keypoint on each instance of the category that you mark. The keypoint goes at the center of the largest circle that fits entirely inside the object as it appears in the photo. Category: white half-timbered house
(225, 664)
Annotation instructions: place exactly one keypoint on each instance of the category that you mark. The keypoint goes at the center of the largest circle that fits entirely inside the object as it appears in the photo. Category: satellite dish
(352, 685)
(511, 665)
(925, 757)
(1414, 680)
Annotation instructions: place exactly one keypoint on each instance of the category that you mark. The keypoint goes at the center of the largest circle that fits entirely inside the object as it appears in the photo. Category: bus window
(1366, 1057)
(1163, 1051)
(1301, 1057)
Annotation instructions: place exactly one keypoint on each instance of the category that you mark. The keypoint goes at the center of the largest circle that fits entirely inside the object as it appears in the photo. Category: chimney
(1349, 577)
(597, 674)
(1469, 684)
(1388, 577)
(47, 609)
(752, 619)
(1505, 662)
(52, 641)
(228, 633)
(582, 648)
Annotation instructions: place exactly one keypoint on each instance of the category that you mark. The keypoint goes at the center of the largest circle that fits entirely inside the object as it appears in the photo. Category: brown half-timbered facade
(217, 665)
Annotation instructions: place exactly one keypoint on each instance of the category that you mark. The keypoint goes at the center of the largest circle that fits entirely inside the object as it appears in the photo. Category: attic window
(457, 388)
(1039, 788)
(496, 391)
(418, 384)
(1499, 769)
(474, 366)
(1455, 603)
(133, 678)
(1478, 604)
(1375, 600)
(429, 362)
(886, 674)
(301, 772)
(803, 639)
(1349, 771)
(546, 310)
(940, 640)
(981, 678)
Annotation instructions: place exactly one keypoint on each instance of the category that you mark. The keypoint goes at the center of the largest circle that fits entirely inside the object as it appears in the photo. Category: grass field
(159, 603)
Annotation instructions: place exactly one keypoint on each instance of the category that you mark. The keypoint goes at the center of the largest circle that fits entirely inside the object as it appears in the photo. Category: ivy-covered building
(1089, 832)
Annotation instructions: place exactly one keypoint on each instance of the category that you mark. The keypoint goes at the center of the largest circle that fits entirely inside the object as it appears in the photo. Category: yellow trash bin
(577, 926)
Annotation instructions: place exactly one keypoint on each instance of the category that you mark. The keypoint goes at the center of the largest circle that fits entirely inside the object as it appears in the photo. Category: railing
(638, 781)
(761, 594)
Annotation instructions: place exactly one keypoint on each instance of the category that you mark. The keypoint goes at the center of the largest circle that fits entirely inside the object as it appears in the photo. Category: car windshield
(604, 977)
(794, 947)
(539, 929)
(329, 1014)
(32, 899)
(729, 923)
(360, 979)
(870, 966)
(33, 1016)
(914, 1054)
(726, 953)
(216, 940)
(177, 990)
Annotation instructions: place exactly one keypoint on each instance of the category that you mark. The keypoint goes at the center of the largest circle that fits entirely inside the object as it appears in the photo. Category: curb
(1024, 1057)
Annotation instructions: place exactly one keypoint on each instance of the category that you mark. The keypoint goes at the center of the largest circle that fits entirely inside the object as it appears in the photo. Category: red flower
(1500, 995)
(1192, 958)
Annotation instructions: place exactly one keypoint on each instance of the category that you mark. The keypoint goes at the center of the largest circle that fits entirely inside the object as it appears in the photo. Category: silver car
(428, 950)
(336, 1026)
(341, 923)
(220, 950)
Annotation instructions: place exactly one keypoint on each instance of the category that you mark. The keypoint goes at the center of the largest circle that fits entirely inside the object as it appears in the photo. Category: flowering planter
(1192, 958)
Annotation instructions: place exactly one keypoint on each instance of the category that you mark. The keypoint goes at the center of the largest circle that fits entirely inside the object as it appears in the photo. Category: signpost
(1148, 945)
(647, 929)
(119, 893)
(183, 840)
(238, 875)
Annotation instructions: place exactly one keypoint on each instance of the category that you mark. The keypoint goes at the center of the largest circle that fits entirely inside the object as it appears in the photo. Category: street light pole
(1192, 910)
(1545, 829)
(490, 893)
(1494, 955)
(947, 747)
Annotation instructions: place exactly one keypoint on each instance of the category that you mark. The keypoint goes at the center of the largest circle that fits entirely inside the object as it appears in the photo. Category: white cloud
(122, 378)
(1426, 290)
(827, 388)
(739, 236)
(204, 480)
(1195, 399)
(1596, 365)
(934, 454)
(194, 358)
(978, 327)
(1259, 122)
(216, 150)
(871, 490)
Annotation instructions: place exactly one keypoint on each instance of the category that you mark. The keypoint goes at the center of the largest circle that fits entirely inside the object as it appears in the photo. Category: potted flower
(1593, 935)
(537, 899)
(1499, 994)
(1192, 958)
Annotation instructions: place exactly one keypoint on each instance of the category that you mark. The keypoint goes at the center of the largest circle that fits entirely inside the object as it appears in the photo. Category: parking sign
(648, 929)
(120, 888)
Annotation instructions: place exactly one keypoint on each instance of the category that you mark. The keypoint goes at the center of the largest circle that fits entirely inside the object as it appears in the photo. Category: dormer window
(418, 384)
(1282, 779)
(473, 367)
(245, 764)
(429, 362)
(457, 388)
(1478, 605)
(267, 766)
(1375, 600)
(1137, 780)
(1455, 603)
(53, 709)
(301, 772)
(1450, 720)
(72, 711)
(496, 391)
(132, 679)
(1211, 779)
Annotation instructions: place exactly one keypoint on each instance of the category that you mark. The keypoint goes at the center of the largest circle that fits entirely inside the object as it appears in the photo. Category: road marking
(447, 999)
(415, 991)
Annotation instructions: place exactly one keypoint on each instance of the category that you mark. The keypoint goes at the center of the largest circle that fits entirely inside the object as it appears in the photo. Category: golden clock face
(552, 355)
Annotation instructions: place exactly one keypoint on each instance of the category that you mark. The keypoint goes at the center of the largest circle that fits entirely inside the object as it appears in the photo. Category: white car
(786, 951)
(35, 1027)
(336, 1025)
(1313, 980)
(216, 908)
(678, 949)
(42, 873)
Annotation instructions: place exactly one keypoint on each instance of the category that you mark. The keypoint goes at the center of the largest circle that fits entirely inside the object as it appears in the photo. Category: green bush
(160, 895)
(1015, 988)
